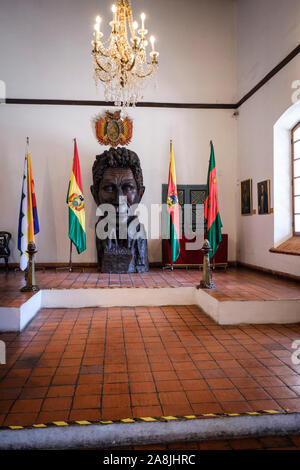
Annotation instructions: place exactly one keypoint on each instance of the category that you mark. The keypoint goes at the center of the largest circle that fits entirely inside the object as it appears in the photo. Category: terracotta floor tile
(140, 377)
(162, 366)
(20, 419)
(258, 405)
(236, 372)
(219, 383)
(84, 379)
(115, 413)
(164, 375)
(199, 408)
(187, 375)
(174, 410)
(143, 387)
(136, 367)
(18, 373)
(14, 382)
(112, 377)
(113, 389)
(272, 442)
(122, 400)
(173, 398)
(9, 393)
(115, 368)
(214, 445)
(67, 371)
(144, 399)
(64, 379)
(255, 394)
(200, 396)
(31, 392)
(87, 401)
(235, 406)
(43, 372)
(281, 392)
(291, 379)
(84, 415)
(50, 416)
(228, 395)
(61, 391)
(57, 404)
(245, 382)
(145, 411)
(245, 444)
(198, 384)
(291, 404)
(169, 386)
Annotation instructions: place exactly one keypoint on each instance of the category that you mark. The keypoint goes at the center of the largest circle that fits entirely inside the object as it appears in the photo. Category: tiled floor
(114, 363)
(234, 284)
(261, 443)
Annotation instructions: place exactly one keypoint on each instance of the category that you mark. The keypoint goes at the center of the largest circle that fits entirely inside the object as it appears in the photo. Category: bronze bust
(117, 188)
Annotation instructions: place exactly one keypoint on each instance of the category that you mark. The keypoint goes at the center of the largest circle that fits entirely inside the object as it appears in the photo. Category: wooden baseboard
(267, 270)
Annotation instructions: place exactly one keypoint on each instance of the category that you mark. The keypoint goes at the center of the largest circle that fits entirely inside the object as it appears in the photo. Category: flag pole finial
(27, 140)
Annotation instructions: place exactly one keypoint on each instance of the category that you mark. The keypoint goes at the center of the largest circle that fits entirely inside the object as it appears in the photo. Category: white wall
(52, 128)
(45, 48)
(268, 30)
(45, 53)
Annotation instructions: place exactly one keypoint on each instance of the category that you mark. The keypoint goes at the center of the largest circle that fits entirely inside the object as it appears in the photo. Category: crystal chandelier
(121, 61)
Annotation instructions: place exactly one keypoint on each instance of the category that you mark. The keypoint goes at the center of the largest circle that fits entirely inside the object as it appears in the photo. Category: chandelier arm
(144, 75)
(102, 68)
(132, 65)
(103, 79)
(103, 53)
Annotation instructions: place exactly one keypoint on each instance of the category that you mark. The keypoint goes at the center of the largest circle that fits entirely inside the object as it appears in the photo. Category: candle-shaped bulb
(135, 25)
(143, 16)
(98, 19)
(97, 27)
(114, 10)
(152, 40)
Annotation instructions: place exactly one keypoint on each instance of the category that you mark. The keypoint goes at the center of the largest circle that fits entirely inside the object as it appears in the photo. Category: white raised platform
(223, 312)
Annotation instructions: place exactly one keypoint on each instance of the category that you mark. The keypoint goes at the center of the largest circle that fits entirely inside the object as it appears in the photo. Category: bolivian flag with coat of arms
(75, 202)
(173, 209)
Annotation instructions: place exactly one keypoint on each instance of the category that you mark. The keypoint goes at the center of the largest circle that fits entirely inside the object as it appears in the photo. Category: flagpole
(70, 262)
(171, 266)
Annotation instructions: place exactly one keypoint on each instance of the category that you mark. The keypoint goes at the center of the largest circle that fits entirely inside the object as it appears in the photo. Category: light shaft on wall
(121, 61)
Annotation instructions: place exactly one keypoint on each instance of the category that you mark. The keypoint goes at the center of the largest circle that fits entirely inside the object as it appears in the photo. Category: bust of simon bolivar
(117, 188)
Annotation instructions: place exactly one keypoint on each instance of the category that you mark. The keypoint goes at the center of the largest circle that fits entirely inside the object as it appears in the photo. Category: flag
(173, 208)
(75, 202)
(211, 210)
(28, 216)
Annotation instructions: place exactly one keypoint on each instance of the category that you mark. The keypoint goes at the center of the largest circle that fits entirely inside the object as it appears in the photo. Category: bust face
(118, 182)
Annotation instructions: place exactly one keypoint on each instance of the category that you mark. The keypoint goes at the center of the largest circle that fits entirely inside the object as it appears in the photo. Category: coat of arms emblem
(112, 130)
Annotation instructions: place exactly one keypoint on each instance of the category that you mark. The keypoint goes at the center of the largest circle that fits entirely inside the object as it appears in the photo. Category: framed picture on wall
(263, 197)
(246, 197)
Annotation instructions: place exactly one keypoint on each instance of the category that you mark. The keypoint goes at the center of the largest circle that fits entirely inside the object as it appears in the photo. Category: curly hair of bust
(120, 157)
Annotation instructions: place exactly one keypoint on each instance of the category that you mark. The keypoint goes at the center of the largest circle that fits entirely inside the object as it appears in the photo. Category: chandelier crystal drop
(121, 61)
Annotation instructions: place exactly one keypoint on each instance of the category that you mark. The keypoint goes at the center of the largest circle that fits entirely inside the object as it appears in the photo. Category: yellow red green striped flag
(173, 209)
(75, 201)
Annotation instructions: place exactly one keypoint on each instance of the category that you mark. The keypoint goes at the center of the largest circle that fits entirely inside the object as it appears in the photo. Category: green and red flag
(173, 209)
(75, 202)
(211, 210)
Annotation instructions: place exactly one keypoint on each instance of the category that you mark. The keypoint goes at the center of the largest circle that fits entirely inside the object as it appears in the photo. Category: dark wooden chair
(4, 247)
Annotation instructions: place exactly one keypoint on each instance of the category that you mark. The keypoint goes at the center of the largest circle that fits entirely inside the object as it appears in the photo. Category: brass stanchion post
(206, 282)
(30, 275)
